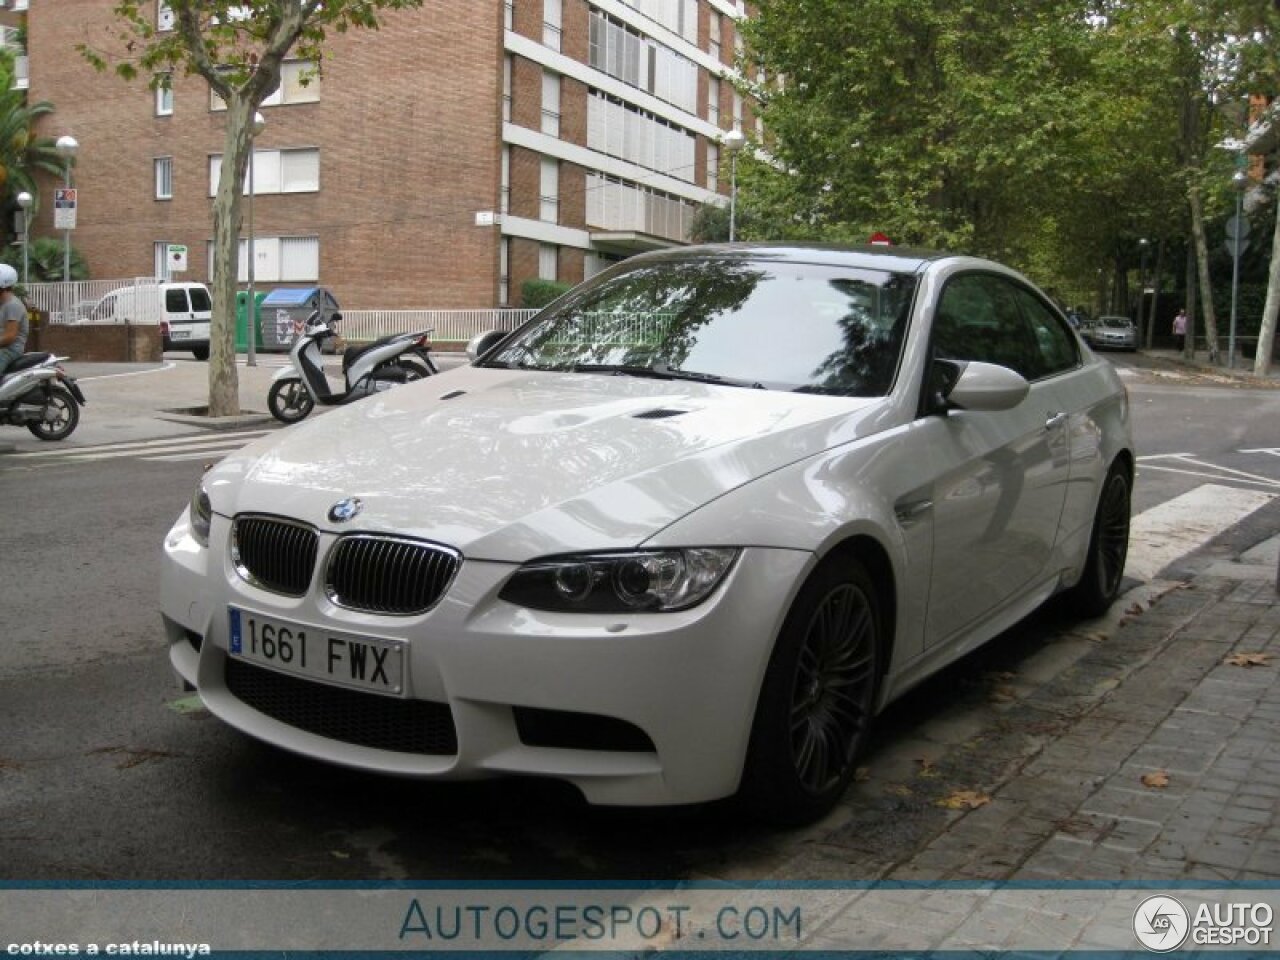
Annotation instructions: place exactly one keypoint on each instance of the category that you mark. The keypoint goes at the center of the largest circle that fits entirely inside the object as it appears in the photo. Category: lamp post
(1238, 180)
(251, 312)
(1143, 245)
(66, 147)
(734, 141)
(24, 201)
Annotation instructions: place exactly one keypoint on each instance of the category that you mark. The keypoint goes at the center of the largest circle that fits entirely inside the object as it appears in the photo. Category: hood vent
(660, 413)
(451, 394)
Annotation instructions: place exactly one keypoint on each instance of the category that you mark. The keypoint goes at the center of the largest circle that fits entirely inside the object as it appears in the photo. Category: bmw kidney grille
(389, 575)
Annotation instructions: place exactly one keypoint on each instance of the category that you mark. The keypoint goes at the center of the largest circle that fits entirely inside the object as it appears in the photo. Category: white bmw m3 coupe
(680, 536)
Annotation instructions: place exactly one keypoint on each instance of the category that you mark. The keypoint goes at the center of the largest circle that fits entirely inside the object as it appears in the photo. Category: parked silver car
(1112, 333)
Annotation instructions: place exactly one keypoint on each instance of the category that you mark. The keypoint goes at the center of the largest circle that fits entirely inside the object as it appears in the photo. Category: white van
(182, 310)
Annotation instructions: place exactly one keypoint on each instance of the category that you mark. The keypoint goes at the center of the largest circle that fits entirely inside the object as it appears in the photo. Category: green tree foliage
(238, 47)
(536, 294)
(22, 153)
(45, 261)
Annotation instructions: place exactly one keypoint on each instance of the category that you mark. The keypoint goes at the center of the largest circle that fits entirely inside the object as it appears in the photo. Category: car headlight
(201, 511)
(640, 581)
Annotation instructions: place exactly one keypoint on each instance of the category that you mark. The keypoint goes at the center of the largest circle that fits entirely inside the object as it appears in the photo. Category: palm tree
(45, 260)
(22, 154)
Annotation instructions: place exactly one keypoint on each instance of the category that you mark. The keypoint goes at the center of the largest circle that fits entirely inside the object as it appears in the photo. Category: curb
(251, 418)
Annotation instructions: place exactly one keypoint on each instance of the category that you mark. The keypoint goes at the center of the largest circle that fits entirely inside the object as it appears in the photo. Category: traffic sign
(64, 208)
(879, 239)
(177, 258)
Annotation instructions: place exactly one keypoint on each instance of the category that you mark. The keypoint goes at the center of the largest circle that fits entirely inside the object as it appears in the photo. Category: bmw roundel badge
(344, 510)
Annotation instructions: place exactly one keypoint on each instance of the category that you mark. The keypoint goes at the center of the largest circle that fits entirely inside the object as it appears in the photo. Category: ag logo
(1161, 923)
(344, 510)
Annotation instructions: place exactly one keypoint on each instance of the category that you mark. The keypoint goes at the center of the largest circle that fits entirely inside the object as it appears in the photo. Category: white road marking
(1189, 460)
(212, 443)
(168, 365)
(1171, 530)
(198, 455)
(139, 446)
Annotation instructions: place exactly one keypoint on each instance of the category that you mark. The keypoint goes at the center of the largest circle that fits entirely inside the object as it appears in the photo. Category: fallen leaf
(1158, 780)
(1002, 694)
(1248, 659)
(862, 775)
(899, 790)
(1134, 610)
(340, 855)
(965, 800)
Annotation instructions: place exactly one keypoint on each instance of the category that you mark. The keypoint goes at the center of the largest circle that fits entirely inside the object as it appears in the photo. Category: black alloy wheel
(818, 697)
(1108, 548)
(289, 401)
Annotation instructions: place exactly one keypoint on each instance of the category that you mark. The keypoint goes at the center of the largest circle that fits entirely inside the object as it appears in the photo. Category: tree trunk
(1202, 262)
(1189, 343)
(224, 385)
(1267, 335)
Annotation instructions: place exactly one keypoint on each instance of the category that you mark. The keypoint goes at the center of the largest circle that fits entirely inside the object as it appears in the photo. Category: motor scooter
(379, 366)
(38, 394)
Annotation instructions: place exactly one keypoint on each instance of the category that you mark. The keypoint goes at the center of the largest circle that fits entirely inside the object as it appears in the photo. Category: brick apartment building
(439, 162)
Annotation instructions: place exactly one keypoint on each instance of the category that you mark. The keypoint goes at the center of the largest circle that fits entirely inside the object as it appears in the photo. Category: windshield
(781, 326)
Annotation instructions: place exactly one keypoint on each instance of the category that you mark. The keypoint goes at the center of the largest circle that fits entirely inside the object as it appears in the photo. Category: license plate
(363, 663)
(179, 335)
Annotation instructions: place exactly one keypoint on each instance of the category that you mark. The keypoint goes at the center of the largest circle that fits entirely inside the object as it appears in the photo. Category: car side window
(1054, 341)
(175, 300)
(978, 319)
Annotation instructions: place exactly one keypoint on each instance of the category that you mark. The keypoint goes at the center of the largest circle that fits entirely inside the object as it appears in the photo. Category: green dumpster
(242, 337)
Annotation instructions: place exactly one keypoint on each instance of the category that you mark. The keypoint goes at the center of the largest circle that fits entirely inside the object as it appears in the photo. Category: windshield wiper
(660, 371)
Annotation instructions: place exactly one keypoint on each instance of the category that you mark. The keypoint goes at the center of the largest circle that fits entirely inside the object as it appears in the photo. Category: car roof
(878, 257)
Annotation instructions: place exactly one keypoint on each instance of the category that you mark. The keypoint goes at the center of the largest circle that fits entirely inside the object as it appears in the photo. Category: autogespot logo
(1161, 923)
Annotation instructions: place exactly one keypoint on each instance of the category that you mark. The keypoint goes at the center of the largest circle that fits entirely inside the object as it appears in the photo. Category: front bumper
(687, 680)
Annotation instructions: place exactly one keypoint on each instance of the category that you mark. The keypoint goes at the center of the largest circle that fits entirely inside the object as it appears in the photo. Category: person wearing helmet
(13, 319)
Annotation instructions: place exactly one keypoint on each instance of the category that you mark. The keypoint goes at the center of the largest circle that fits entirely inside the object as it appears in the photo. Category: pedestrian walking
(1180, 329)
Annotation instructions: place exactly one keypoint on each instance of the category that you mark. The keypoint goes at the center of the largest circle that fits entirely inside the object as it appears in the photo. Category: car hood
(509, 465)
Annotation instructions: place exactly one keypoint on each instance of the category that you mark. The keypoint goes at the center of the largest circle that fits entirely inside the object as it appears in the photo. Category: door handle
(1054, 420)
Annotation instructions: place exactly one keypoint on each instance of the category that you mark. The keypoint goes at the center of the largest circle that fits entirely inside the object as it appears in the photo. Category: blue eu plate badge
(235, 631)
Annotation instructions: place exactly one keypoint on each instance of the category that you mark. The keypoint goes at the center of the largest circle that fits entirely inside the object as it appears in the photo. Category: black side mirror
(482, 343)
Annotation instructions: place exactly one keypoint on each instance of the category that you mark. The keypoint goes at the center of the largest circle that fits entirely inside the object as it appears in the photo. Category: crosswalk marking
(1173, 529)
(205, 446)
(1212, 471)
(141, 445)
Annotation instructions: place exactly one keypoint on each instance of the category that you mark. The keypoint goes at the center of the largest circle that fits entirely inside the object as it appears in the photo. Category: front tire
(818, 697)
(65, 412)
(289, 401)
(1108, 548)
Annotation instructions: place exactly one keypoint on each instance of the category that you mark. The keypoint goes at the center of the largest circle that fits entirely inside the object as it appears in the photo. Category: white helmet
(8, 277)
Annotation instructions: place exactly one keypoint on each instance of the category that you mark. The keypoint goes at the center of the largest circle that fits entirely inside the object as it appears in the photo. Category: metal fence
(451, 326)
(74, 302)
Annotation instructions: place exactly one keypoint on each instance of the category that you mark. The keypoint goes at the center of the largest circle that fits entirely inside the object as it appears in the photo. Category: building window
(160, 260)
(713, 43)
(164, 178)
(713, 167)
(164, 16)
(549, 191)
(275, 171)
(713, 100)
(299, 83)
(277, 259)
(640, 137)
(626, 55)
(548, 261)
(551, 14)
(551, 103)
(164, 98)
(737, 110)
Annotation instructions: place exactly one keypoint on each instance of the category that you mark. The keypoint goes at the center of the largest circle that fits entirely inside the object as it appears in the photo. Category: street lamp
(734, 141)
(1238, 180)
(24, 201)
(251, 313)
(66, 148)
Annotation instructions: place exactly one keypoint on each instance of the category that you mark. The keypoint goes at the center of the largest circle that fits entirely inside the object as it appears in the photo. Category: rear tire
(413, 369)
(817, 699)
(289, 401)
(67, 413)
(200, 353)
(1108, 548)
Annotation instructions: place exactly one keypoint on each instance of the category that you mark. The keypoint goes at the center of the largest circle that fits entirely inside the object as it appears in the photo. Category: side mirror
(482, 343)
(985, 387)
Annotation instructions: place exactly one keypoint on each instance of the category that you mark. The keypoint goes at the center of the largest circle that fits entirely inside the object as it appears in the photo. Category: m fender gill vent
(451, 394)
(660, 413)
